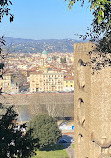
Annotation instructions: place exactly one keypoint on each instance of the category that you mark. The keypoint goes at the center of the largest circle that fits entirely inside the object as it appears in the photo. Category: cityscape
(38, 73)
(41, 83)
(55, 79)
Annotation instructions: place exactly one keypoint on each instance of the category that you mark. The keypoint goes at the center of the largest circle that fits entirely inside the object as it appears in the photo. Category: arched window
(81, 74)
(81, 112)
(80, 138)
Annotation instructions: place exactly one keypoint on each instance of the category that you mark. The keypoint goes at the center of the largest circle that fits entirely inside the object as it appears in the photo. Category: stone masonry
(55, 104)
(92, 101)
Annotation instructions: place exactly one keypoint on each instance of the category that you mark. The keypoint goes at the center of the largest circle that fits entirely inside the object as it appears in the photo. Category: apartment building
(53, 81)
(50, 81)
(68, 84)
(36, 82)
(6, 84)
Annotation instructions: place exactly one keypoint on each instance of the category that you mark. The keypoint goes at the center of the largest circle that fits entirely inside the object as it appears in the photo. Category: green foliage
(102, 14)
(100, 30)
(35, 46)
(46, 130)
(2, 57)
(63, 60)
(104, 44)
(99, 7)
(5, 10)
(13, 142)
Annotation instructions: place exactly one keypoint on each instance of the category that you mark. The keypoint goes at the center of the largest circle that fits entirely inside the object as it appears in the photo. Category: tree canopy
(101, 25)
(46, 130)
(100, 9)
(13, 141)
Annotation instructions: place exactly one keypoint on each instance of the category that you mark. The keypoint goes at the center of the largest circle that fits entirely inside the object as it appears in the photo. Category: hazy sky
(46, 19)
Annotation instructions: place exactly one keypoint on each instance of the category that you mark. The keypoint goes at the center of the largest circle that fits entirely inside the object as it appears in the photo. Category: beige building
(7, 86)
(68, 84)
(36, 82)
(92, 101)
(5, 83)
(14, 88)
(51, 81)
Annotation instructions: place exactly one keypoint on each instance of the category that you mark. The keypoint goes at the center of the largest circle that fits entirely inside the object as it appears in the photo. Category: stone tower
(92, 102)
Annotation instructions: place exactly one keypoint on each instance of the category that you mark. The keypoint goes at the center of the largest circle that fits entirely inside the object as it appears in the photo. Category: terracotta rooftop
(69, 78)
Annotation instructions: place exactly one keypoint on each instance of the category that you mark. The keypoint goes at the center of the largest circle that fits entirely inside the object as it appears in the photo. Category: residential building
(51, 81)
(36, 82)
(7, 86)
(5, 83)
(68, 85)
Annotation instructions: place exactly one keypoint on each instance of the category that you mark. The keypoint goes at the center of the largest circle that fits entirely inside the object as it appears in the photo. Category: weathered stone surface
(92, 100)
(55, 104)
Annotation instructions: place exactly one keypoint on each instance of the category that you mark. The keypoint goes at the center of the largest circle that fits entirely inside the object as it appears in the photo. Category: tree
(101, 24)
(46, 130)
(5, 10)
(63, 60)
(13, 141)
(100, 11)
(99, 32)
(51, 109)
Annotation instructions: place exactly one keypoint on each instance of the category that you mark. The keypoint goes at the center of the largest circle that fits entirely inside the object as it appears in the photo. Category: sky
(46, 19)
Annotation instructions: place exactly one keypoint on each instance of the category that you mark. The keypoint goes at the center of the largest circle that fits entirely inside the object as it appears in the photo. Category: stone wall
(55, 104)
(92, 100)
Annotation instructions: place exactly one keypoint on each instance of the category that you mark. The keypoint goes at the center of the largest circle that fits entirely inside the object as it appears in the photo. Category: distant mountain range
(19, 45)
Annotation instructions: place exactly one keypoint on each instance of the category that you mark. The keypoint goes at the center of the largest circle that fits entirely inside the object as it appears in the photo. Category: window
(80, 138)
(81, 74)
(5, 84)
(81, 62)
(81, 112)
